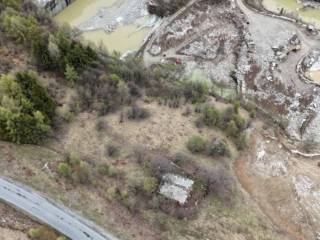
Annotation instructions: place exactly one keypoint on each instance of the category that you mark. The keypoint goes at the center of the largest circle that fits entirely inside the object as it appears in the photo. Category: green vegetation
(217, 148)
(112, 193)
(75, 169)
(44, 233)
(107, 170)
(228, 121)
(22, 29)
(64, 170)
(26, 110)
(196, 144)
(150, 184)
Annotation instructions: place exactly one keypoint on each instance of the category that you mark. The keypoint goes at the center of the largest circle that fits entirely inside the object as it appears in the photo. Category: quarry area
(241, 163)
(274, 61)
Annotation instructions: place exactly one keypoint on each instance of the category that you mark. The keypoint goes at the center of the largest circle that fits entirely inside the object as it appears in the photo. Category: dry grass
(166, 129)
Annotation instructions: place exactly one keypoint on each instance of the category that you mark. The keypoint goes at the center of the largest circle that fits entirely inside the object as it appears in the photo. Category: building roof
(176, 187)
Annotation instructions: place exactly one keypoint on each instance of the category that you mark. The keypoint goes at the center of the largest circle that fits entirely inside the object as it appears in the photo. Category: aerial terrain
(160, 119)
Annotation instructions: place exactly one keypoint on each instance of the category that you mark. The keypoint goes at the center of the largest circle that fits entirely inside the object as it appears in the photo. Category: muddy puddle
(292, 6)
(119, 25)
(315, 76)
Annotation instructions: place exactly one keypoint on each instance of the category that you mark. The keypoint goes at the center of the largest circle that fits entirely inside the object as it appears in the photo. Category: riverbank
(116, 25)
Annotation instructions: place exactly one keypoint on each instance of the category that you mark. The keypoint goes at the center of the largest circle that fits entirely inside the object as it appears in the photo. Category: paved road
(42, 209)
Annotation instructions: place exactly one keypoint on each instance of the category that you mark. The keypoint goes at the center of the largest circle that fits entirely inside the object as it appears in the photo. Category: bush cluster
(137, 113)
(26, 110)
(214, 148)
(107, 170)
(228, 120)
(44, 233)
(196, 144)
(75, 169)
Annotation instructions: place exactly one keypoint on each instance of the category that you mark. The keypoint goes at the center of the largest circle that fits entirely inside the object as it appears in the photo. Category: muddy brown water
(292, 6)
(315, 76)
(122, 39)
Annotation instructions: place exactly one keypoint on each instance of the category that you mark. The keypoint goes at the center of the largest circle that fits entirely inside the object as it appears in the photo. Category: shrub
(232, 129)
(253, 113)
(112, 171)
(196, 91)
(71, 74)
(137, 113)
(41, 54)
(42, 233)
(226, 116)
(210, 116)
(150, 185)
(236, 107)
(15, 4)
(218, 148)
(101, 125)
(181, 158)
(34, 233)
(65, 114)
(112, 150)
(112, 193)
(74, 159)
(103, 169)
(107, 170)
(196, 144)
(218, 181)
(64, 170)
(159, 164)
(241, 141)
(81, 173)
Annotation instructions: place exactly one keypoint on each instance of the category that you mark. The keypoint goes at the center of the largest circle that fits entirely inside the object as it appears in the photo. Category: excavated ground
(222, 38)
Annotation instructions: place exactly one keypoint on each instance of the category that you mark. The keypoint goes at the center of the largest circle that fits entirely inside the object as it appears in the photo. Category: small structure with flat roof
(176, 187)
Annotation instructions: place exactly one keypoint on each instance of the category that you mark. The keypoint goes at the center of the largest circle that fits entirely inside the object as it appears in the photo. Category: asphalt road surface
(42, 209)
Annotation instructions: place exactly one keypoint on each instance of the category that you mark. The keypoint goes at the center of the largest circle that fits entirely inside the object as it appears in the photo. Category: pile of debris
(312, 61)
(282, 51)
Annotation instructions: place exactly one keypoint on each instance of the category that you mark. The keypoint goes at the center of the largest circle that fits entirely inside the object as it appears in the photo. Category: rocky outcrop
(54, 6)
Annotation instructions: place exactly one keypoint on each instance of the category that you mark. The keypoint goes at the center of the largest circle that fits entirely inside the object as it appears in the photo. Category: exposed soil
(280, 183)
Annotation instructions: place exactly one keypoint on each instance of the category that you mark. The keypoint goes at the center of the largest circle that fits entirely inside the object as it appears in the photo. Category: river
(119, 25)
(292, 6)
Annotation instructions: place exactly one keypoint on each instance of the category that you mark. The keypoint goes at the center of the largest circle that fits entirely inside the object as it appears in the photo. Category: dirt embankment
(284, 185)
(14, 225)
